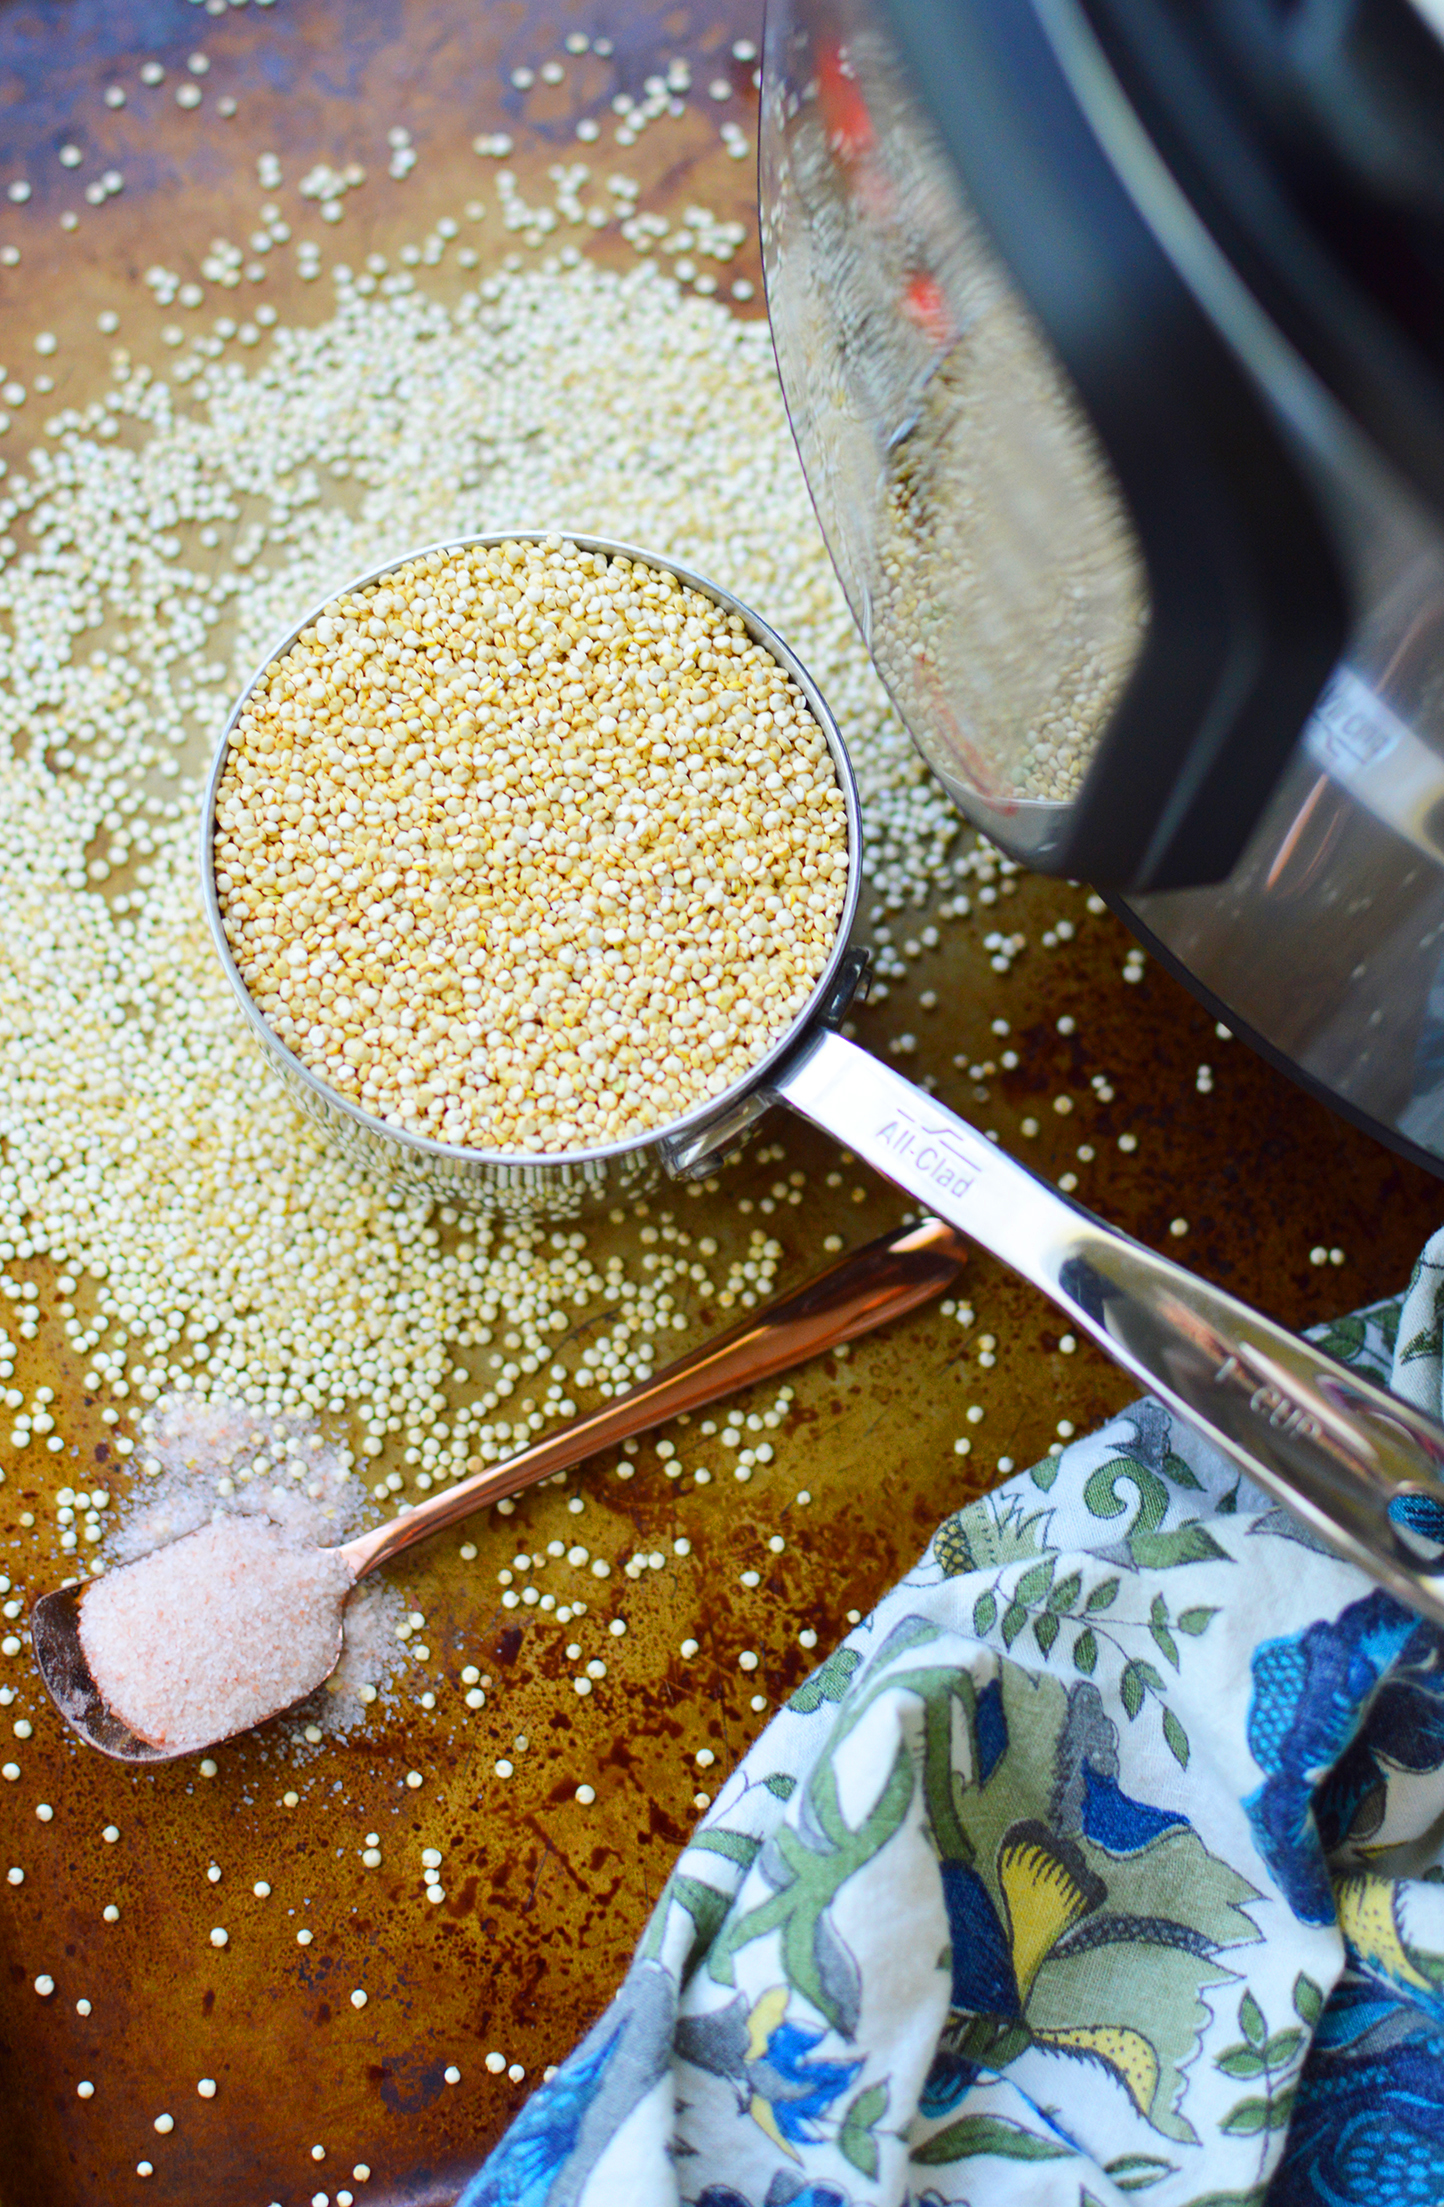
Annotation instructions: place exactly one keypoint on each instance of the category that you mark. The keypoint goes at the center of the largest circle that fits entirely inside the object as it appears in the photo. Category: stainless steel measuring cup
(1361, 1468)
(519, 1181)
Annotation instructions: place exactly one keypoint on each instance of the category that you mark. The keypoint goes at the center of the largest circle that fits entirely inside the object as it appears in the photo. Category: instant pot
(1112, 336)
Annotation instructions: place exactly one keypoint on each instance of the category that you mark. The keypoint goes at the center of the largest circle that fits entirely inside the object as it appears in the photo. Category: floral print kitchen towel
(1101, 1863)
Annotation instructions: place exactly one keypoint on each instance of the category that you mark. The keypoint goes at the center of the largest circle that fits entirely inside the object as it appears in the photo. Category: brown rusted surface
(545, 1897)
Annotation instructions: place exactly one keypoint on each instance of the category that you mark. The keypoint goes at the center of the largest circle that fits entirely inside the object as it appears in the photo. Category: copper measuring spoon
(878, 1282)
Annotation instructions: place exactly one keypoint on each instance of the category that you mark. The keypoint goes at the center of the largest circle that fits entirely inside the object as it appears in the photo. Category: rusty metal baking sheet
(545, 1894)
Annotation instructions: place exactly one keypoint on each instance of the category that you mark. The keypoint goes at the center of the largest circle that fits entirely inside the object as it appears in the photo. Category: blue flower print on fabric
(1310, 1692)
(1368, 2121)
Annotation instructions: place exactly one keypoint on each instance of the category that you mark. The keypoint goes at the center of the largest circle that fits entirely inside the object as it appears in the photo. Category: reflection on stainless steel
(974, 521)
(1365, 747)
(1327, 941)
(1338, 1451)
(880, 1282)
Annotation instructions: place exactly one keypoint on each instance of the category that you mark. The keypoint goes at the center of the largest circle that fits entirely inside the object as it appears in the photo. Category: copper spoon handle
(876, 1283)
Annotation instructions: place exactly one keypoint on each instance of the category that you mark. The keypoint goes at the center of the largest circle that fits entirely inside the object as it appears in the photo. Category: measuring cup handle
(1357, 1465)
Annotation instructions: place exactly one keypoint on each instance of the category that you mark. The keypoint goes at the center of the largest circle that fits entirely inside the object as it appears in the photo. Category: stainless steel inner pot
(1359, 1467)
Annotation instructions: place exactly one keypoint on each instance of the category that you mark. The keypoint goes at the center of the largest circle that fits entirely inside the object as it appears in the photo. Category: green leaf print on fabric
(829, 1682)
(1102, 1499)
(1426, 1339)
(855, 2139)
(1045, 1631)
(1388, 1320)
(1344, 1338)
(738, 1847)
(1137, 2172)
(973, 2135)
(1176, 1737)
(1267, 2058)
(1190, 1543)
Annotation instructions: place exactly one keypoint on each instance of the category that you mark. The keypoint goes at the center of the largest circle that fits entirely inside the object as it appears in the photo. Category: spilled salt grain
(214, 1633)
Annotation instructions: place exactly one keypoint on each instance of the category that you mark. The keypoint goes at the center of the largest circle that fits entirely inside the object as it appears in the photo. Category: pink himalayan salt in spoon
(237, 1622)
(215, 1632)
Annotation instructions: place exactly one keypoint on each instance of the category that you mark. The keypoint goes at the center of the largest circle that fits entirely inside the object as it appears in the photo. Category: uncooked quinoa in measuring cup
(525, 847)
